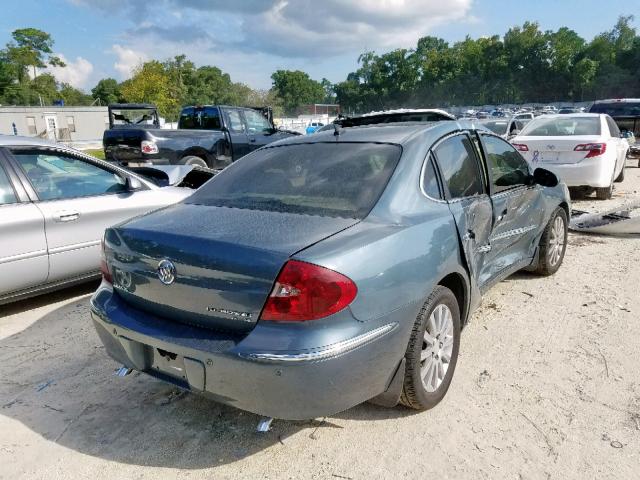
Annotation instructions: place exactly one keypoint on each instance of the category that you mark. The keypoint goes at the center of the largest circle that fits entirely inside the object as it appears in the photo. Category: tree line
(525, 65)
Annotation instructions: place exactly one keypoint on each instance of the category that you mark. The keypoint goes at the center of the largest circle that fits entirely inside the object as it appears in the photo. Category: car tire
(620, 177)
(193, 160)
(427, 373)
(553, 243)
(604, 193)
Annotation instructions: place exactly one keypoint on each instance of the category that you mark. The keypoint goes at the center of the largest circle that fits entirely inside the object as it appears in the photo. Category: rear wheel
(432, 352)
(604, 193)
(193, 160)
(553, 243)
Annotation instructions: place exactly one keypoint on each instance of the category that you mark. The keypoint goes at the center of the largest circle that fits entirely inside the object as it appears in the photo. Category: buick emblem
(166, 272)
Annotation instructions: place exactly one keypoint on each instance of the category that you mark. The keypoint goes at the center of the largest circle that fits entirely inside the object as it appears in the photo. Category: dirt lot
(547, 386)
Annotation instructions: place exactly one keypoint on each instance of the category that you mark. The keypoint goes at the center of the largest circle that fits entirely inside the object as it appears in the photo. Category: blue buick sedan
(321, 272)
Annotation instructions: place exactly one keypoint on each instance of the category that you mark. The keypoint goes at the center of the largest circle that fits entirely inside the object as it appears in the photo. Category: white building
(69, 124)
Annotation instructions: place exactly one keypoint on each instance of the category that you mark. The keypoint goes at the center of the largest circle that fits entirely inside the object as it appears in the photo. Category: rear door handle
(501, 216)
(252, 140)
(66, 216)
(470, 235)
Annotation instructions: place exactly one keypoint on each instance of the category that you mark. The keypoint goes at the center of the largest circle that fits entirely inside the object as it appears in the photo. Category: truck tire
(432, 352)
(193, 160)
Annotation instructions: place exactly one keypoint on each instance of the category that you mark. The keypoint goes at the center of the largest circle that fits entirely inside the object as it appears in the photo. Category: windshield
(560, 127)
(618, 109)
(496, 127)
(328, 179)
(137, 116)
(199, 118)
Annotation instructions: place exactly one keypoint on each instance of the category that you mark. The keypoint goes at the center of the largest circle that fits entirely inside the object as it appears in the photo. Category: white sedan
(585, 150)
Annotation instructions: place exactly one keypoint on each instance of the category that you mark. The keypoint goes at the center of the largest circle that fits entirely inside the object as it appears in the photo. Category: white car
(55, 203)
(584, 149)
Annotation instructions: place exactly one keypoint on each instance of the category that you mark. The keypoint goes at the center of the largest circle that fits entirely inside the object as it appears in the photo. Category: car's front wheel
(553, 243)
(432, 352)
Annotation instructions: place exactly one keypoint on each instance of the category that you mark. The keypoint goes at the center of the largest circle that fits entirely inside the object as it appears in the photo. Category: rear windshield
(496, 127)
(327, 179)
(560, 127)
(618, 109)
(394, 118)
(199, 118)
(133, 116)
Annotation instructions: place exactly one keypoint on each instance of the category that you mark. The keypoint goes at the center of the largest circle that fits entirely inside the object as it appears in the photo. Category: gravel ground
(547, 386)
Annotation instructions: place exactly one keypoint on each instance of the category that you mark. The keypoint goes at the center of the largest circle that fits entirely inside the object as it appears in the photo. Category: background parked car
(585, 150)
(507, 128)
(626, 113)
(55, 204)
(331, 301)
(313, 127)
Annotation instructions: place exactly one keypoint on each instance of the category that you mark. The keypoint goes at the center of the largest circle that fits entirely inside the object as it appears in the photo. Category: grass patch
(95, 153)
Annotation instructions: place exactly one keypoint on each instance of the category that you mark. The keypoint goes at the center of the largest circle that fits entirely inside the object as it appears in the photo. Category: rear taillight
(304, 291)
(593, 149)
(148, 146)
(104, 268)
(521, 147)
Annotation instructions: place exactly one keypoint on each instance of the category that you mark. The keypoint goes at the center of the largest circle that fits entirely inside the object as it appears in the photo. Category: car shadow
(46, 299)
(57, 380)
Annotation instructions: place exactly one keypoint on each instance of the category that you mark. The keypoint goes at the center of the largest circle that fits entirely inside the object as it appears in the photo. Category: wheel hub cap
(437, 348)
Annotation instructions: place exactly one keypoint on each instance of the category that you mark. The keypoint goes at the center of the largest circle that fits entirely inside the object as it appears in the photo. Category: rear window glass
(328, 179)
(618, 109)
(199, 118)
(562, 126)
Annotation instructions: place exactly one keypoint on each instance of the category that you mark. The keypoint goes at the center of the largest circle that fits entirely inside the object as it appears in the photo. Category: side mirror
(132, 184)
(545, 178)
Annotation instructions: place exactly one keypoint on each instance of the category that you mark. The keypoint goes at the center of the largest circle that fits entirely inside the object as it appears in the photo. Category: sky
(250, 39)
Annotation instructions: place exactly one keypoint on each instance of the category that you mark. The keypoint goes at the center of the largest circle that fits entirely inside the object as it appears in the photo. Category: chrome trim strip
(75, 246)
(515, 231)
(324, 352)
(23, 256)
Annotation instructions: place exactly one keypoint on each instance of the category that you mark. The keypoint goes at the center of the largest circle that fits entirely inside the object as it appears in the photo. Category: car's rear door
(78, 199)
(465, 191)
(517, 207)
(23, 247)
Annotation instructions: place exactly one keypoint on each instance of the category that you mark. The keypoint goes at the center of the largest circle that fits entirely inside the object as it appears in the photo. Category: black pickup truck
(209, 136)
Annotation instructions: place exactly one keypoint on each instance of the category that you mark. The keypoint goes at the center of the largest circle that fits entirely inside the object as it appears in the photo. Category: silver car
(55, 203)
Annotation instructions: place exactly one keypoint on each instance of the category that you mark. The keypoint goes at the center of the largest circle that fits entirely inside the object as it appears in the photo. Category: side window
(613, 127)
(57, 176)
(459, 167)
(7, 195)
(235, 121)
(508, 168)
(430, 180)
(256, 123)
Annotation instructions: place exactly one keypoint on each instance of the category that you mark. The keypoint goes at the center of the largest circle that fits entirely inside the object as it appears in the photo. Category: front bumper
(231, 369)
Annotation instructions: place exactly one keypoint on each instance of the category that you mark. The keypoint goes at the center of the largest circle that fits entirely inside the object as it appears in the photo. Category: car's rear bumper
(268, 380)
(590, 172)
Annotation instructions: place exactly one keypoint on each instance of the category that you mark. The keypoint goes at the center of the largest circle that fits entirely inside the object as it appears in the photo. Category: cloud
(77, 73)
(128, 59)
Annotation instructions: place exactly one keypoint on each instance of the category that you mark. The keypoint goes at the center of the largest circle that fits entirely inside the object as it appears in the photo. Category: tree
(151, 83)
(107, 91)
(296, 88)
(32, 48)
(73, 96)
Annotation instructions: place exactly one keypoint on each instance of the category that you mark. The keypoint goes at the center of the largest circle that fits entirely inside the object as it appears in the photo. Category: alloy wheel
(556, 242)
(437, 348)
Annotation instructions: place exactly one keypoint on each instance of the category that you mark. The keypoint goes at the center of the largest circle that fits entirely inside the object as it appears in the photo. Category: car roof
(132, 106)
(17, 140)
(619, 100)
(400, 133)
(398, 111)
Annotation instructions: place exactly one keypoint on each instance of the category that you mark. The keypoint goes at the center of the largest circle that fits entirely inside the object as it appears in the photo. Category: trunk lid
(555, 150)
(226, 260)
